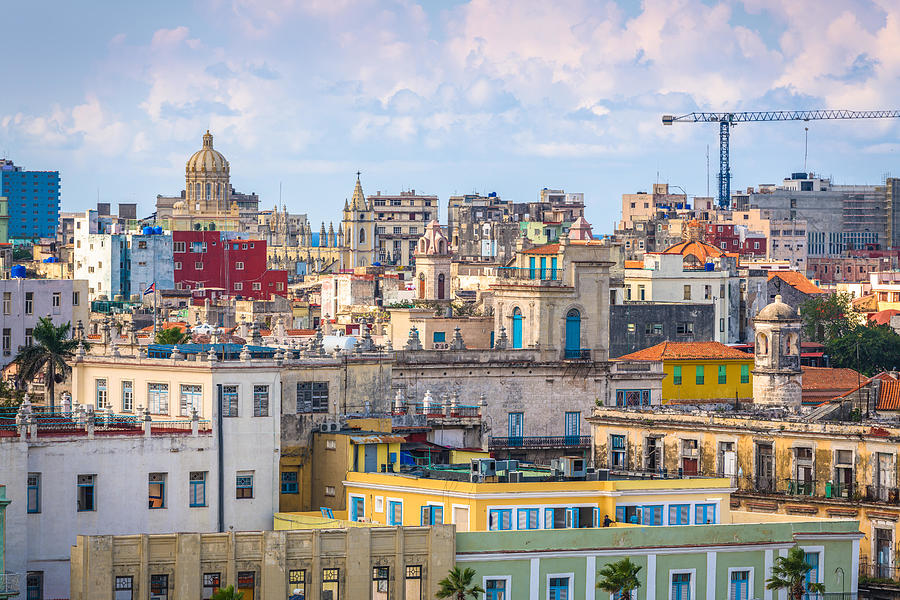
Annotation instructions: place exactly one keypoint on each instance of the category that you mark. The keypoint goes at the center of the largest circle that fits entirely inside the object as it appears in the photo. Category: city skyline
(446, 98)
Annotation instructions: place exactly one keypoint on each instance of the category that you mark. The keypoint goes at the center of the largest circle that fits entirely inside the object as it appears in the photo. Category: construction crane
(727, 120)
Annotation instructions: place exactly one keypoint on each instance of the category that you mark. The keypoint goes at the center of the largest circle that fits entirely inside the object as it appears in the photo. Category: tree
(458, 585)
(868, 348)
(789, 573)
(227, 593)
(10, 397)
(52, 349)
(619, 577)
(828, 318)
(172, 335)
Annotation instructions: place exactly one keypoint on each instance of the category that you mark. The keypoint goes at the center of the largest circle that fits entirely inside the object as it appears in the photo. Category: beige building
(400, 221)
(354, 563)
(643, 206)
(438, 332)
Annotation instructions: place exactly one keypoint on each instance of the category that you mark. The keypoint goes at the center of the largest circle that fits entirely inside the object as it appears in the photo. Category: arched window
(362, 236)
(517, 328)
(208, 191)
(197, 192)
(441, 247)
(762, 344)
(573, 334)
(440, 287)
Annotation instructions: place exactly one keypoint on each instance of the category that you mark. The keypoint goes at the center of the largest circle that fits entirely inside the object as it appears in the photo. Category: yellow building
(700, 371)
(538, 500)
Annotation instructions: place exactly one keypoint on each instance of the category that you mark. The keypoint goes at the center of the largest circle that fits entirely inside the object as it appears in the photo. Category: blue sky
(443, 97)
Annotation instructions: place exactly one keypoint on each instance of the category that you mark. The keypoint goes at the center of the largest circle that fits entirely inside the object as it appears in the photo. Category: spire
(358, 202)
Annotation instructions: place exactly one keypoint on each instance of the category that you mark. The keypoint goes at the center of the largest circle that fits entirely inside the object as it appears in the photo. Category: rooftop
(688, 351)
(797, 280)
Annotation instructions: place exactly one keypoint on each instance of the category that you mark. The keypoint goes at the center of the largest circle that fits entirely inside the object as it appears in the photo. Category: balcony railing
(878, 573)
(540, 442)
(839, 491)
(880, 493)
(9, 584)
(535, 275)
(801, 487)
(578, 354)
(765, 484)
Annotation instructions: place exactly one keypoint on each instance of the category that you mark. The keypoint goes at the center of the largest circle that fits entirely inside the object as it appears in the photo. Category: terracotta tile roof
(825, 383)
(883, 317)
(889, 399)
(634, 264)
(688, 351)
(545, 249)
(797, 280)
(700, 250)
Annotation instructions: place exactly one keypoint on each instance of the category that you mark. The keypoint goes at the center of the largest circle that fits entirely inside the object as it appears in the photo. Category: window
(244, 486)
(7, 341)
(699, 374)
(573, 423)
(127, 396)
(331, 584)
(707, 292)
(679, 514)
(101, 395)
(398, 230)
(297, 583)
(34, 585)
(632, 397)
(681, 587)
(312, 396)
(329, 490)
(7, 303)
(198, 265)
(177, 266)
(723, 374)
(29, 303)
(687, 292)
(289, 482)
(558, 588)
(198, 247)
(739, 585)
(439, 337)
(256, 286)
(158, 396)
(380, 581)
(260, 401)
(238, 286)
(676, 375)
(33, 503)
(230, 399)
(617, 452)
(86, 497)
(239, 266)
(178, 247)
(496, 589)
(395, 512)
(812, 576)
(432, 515)
(722, 324)
(413, 582)
(515, 426)
(704, 514)
(652, 515)
(684, 328)
(500, 519)
(528, 518)
(124, 588)
(159, 587)
(197, 488)
(157, 490)
(211, 583)
(29, 336)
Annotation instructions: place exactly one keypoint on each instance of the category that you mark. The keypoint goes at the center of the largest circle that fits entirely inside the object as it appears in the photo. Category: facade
(116, 262)
(711, 563)
(32, 199)
(639, 325)
(777, 375)
(25, 301)
(213, 264)
(736, 239)
(377, 563)
(400, 220)
(700, 372)
(439, 332)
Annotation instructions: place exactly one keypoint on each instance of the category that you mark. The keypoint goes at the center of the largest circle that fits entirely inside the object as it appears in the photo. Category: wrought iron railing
(577, 354)
(536, 274)
(540, 441)
(878, 573)
(801, 487)
(840, 491)
(881, 493)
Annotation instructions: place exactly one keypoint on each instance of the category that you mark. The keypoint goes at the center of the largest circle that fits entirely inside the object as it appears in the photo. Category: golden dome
(207, 160)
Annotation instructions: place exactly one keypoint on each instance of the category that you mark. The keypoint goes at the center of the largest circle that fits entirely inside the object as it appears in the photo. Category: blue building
(33, 201)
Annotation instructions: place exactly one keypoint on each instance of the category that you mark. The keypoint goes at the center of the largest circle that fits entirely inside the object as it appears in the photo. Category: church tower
(358, 229)
(777, 376)
(433, 264)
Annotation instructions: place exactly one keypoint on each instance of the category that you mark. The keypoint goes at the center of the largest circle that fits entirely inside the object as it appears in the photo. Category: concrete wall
(269, 555)
(628, 324)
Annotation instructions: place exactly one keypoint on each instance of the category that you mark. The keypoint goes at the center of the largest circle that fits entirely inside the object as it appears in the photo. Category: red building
(213, 266)
(727, 239)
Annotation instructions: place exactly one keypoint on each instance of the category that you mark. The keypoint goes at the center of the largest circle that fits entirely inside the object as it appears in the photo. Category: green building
(540, 232)
(712, 562)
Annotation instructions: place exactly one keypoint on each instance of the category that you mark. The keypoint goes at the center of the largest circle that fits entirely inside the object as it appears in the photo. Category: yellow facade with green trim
(723, 380)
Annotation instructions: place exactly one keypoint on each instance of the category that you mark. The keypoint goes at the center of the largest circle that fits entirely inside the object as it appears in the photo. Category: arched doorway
(517, 328)
(440, 290)
(421, 286)
(573, 334)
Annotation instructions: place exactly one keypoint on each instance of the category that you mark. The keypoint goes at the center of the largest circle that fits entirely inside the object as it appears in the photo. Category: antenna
(707, 170)
(805, 147)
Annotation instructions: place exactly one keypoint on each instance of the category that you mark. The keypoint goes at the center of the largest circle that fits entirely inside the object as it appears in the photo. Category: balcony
(536, 276)
(540, 442)
(839, 491)
(801, 487)
(9, 585)
(880, 493)
(878, 575)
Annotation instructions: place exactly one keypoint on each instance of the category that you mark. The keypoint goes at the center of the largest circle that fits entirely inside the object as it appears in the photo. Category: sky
(444, 97)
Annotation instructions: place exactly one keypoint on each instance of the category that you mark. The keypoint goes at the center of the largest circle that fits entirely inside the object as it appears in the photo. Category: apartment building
(400, 221)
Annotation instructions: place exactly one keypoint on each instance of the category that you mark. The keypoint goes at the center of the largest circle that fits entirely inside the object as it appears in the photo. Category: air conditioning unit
(334, 426)
(515, 476)
(507, 465)
(325, 427)
(573, 466)
(602, 474)
(475, 478)
(556, 467)
(485, 467)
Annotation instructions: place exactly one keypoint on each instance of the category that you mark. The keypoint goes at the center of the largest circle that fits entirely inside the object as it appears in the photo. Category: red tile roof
(700, 250)
(883, 317)
(688, 351)
(889, 399)
(798, 281)
(545, 249)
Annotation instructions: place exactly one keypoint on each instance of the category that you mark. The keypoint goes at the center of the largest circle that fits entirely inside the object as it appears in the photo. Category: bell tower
(359, 228)
(777, 376)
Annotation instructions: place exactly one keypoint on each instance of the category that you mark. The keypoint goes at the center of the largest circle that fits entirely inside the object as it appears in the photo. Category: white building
(24, 301)
(92, 477)
(116, 262)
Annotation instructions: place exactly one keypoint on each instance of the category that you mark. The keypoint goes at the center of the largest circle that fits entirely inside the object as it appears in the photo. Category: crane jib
(784, 115)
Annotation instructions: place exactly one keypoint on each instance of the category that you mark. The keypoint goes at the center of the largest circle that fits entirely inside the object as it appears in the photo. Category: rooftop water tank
(17, 271)
(157, 230)
(709, 267)
(147, 231)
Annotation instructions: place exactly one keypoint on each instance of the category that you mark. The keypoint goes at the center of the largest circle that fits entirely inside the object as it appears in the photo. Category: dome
(778, 311)
(207, 160)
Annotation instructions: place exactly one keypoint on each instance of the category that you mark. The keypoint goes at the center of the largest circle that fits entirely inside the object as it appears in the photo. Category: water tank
(17, 271)
(147, 230)
(709, 267)
(157, 230)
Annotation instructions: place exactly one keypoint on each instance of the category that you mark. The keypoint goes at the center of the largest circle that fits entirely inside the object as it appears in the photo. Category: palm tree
(227, 593)
(51, 348)
(172, 335)
(458, 585)
(789, 573)
(619, 578)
